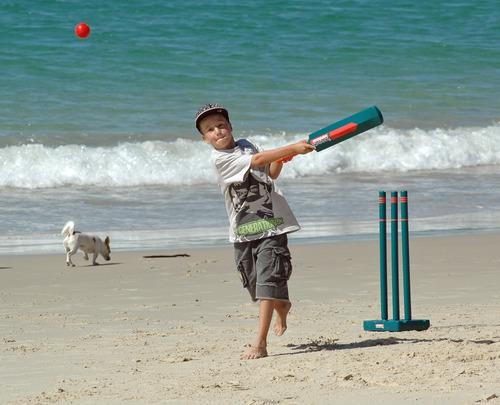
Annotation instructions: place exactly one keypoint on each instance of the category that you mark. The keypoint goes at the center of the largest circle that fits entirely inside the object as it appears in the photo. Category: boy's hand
(303, 147)
(300, 148)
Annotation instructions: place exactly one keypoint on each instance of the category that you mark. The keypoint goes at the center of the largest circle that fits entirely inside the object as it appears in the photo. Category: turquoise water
(86, 126)
(279, 66)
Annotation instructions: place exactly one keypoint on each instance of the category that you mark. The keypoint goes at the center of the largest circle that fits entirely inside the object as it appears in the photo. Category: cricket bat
(344, 129)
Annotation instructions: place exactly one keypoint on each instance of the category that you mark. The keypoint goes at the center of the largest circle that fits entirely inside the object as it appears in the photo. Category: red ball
(82, 30)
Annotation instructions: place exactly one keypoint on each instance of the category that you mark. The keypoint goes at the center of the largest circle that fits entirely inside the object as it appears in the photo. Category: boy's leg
(282, 309)
(259, 348)
(266, 308)
(273, 268)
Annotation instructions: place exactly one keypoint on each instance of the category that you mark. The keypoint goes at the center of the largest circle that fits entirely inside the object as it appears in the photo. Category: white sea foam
(188, 161)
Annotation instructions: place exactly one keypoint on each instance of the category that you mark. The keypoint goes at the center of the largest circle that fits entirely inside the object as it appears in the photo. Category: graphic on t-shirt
(253, 206)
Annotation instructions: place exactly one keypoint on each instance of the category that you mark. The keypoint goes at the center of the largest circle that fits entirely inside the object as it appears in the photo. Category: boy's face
(216, 130)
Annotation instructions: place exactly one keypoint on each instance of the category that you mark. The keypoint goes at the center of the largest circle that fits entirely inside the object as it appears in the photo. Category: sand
(171, 330)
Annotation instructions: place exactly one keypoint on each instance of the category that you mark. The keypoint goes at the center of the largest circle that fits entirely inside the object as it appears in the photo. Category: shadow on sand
(331, 344)
(101, 264)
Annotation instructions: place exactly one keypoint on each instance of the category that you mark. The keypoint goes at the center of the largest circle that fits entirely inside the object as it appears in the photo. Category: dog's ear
(107, 240)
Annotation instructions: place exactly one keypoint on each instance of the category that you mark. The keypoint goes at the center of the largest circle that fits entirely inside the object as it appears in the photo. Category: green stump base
(391, 325)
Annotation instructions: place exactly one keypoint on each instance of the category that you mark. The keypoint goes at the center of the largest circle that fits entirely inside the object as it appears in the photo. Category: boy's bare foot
(282, 309)
(254, 352)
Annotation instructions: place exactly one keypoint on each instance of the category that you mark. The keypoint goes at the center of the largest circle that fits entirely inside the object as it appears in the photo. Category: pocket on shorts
(283, 264)
(242, 271)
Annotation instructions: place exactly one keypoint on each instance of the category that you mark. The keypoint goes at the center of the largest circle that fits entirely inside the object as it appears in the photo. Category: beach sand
(171, 330)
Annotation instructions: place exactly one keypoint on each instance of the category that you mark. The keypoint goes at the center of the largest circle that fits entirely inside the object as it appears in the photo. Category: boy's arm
(266, 157)
(275, 169)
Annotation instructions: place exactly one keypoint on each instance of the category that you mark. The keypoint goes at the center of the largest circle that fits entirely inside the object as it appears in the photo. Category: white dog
(74, 240)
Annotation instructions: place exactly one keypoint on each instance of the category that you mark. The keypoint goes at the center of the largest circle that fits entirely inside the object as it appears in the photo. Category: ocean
(100, 130)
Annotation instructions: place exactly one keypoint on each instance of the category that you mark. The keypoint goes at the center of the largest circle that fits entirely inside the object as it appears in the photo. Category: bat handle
(286, 159)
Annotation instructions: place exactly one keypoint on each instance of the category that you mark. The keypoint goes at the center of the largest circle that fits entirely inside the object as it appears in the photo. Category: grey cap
(208, 109)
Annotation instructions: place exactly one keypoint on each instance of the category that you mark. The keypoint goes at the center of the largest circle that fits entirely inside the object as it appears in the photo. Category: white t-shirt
(256, 209)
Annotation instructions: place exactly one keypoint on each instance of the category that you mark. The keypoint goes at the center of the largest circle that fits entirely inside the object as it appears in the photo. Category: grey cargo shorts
(264, 266)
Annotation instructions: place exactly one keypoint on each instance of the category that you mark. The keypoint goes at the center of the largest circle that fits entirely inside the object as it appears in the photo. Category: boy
(259, 217)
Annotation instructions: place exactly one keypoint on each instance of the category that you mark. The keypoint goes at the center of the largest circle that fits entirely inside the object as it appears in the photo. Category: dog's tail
(69, 228)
